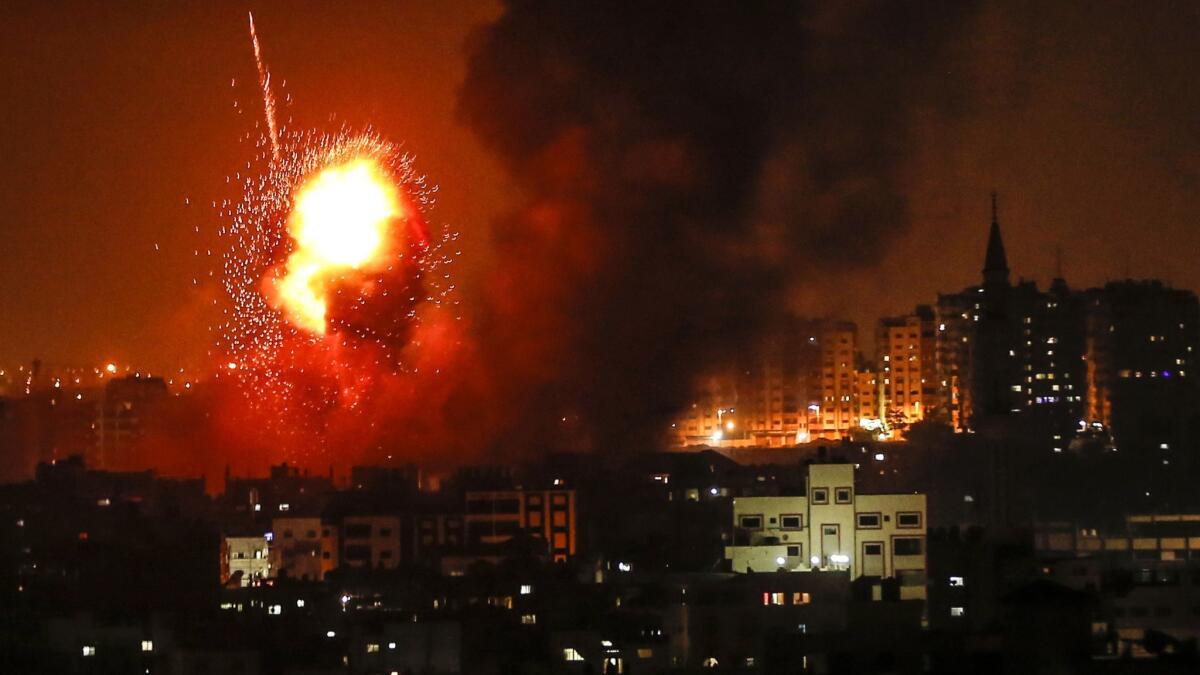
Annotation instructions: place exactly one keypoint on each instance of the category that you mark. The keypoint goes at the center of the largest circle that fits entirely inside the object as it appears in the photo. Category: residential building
(1141, 341)
(496, 517)
(907, 348)
(245, 560)
(832, 527)
(303, 548)
(371, 541)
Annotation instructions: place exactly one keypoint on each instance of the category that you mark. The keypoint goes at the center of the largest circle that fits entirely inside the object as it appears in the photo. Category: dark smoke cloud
(687, 167)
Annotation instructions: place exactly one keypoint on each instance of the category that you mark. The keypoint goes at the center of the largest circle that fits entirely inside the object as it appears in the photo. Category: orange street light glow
(340, 221)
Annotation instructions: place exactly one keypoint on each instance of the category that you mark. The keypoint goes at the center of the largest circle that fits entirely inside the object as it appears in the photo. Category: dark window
(875, 548)
(287, 534)
(358, 531)
(909, 519)
(1138, 612)
(358, 553)
(793, 551)
(751, 522)
(484, 505)
(385, 555)
(906, 546)
(820, 496)
(829, 530)
(869, 521)
(311, 534)
(792, 522)
(325, 555)
(385, 531)
(842, 495)
(1162, 611)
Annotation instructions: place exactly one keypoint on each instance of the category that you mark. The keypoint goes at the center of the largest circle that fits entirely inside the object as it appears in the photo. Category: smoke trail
(264, 81)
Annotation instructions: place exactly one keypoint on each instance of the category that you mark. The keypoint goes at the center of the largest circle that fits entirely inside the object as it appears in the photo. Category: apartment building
(832, 527)
(245, 559)
(303, 548)
(496, 517)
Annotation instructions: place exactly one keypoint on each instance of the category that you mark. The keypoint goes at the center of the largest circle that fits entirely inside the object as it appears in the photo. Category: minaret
(995, 263)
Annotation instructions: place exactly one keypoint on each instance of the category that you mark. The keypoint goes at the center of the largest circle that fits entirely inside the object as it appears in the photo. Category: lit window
(529, 619)
(957, 581)
(372, 647)
(147, 645)
(299, 603)
(957, 611)
(89, 650)
(570, 654)
(284, 507)
(391, 645)
(801, 598)
(526, 589)
(275, 610)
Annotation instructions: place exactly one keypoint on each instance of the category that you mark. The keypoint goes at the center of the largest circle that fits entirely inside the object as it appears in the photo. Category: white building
(833, 527)
(246, 558)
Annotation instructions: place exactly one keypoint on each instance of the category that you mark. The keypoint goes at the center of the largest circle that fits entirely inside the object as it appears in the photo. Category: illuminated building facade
(802, 384)
(497, 517)
(245, 560)
(371, 541)
(838, 405)
(908, 366)
(832, 527)
(303, 548)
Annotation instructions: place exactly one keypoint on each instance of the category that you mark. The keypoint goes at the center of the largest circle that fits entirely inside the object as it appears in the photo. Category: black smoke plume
(687, 169)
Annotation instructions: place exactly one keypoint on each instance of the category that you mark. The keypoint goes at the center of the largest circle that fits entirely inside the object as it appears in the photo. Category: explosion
(337, 293)
(341, 221)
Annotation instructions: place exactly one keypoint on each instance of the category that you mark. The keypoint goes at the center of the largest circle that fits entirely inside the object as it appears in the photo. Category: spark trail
(264, 83)
(341, 309)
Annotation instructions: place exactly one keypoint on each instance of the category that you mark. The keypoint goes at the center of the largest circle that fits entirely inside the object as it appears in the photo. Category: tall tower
(995, 262)
(992, 362)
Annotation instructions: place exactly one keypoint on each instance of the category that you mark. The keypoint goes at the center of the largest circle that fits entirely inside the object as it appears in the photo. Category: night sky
(120, 126)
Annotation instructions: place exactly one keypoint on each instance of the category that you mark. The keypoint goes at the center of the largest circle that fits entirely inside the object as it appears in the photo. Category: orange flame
(340, 222)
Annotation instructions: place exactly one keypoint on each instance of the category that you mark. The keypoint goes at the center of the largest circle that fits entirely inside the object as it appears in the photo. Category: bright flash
(112, 367)
(340, 222)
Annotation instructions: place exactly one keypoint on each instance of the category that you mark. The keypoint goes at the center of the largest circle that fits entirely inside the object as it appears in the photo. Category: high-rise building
(122, 416)
(799, 384)
(907, 347)
(1141, 341)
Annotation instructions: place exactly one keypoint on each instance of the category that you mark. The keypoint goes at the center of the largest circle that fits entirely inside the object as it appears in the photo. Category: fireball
(340, 222)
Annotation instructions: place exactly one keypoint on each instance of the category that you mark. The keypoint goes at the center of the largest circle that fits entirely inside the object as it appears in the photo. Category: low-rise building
(244, 560)
(498, 516)
(303, 548)
(832, 527)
